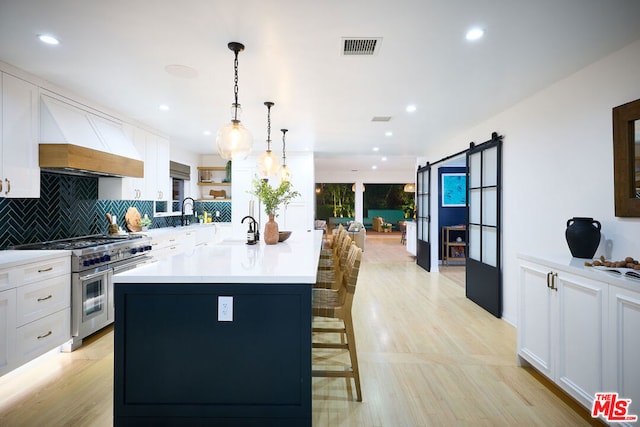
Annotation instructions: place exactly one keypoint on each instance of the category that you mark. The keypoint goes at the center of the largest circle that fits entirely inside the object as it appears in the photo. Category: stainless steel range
(94, 261)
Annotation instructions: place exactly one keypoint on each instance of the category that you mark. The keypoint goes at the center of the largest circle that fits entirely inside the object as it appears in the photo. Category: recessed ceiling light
(376, 148)
(474, 34)
(164, 107)
(384, 159)
(411, 108)
(48, 39)
(388, 133)
(374, 167)
(206, 133)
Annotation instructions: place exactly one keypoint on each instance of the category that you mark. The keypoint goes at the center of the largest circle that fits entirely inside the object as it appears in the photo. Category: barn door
(483, 271)
(423, 218)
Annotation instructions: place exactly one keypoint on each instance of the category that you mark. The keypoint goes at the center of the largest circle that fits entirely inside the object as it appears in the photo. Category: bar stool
(336, 304)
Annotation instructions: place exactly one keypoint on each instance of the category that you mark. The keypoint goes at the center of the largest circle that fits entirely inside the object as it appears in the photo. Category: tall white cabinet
(19, 169)
(579, 327)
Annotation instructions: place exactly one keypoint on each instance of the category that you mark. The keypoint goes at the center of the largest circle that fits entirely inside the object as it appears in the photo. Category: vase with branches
(273, 199)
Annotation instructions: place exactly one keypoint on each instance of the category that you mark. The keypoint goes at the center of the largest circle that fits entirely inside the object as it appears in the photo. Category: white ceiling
(115, 52)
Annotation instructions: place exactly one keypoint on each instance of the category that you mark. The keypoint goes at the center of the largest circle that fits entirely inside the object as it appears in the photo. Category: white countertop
(233, 261)
(11, 258)
(576, 266)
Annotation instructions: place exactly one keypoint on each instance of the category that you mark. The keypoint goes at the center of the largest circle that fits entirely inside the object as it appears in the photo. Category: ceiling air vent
(381, 118)
(360, 46)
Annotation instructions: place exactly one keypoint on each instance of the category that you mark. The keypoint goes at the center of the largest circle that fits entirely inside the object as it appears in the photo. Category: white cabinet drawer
(43, 335)
(45, 269)
(7, 330)
(5, 283)
(42, 298)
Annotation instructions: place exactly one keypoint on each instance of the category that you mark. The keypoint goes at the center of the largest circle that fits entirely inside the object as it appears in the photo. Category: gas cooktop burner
(78, 242)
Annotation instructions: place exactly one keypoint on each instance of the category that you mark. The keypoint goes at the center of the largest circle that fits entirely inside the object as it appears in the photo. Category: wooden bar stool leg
(353, 354)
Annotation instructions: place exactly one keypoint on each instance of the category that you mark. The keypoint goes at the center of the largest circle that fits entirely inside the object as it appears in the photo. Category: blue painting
(454, 189)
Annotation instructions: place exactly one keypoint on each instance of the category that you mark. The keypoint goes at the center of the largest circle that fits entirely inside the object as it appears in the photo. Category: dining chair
(336, 304)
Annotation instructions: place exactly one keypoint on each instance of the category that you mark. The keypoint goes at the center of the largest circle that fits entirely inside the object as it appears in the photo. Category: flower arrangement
(273, 198)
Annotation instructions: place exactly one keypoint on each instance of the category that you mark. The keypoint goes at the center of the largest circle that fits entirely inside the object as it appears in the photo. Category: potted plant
(145, 222)
(272, 199)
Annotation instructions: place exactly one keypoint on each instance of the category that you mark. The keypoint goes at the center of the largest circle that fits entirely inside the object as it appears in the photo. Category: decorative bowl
(283, 235)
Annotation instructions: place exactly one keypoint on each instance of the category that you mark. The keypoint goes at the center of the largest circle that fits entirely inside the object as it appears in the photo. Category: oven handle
(132, 265)
(91, 276)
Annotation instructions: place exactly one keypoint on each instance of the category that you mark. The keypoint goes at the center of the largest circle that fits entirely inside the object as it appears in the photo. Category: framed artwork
(454, 190)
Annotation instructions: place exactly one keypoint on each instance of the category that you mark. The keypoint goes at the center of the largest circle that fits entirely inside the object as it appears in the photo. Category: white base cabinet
(579, 329)
(35, 313)
(623, 342)
(7, 330)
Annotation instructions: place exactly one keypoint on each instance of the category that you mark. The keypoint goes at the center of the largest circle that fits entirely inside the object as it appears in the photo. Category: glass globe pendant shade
(234, 141)
(285, 173)
(267, 164)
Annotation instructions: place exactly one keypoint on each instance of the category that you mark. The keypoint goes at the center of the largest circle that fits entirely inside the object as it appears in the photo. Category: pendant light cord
(284, 156)
(269, 104)
(235, 85)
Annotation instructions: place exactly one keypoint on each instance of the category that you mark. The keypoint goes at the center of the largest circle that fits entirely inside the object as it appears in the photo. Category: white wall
(558, 163)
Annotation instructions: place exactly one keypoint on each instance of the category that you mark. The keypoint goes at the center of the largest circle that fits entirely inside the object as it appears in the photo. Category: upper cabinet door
(19, 167)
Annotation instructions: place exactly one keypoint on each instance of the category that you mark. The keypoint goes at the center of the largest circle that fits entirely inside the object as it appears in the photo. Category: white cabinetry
(156, 183)
(156, 168)
(579, 327)
(170, 241)
(7, 329)
(623, 345)
(19, 169)
(561, 328)
(126, 188)
(34, 308)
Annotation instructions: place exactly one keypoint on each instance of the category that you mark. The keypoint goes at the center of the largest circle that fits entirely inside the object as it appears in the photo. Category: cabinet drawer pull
(549, 279)
(8, 186)
(0, 184)
(45, 298)
(553, 282)
(45, 270)
(45, 335)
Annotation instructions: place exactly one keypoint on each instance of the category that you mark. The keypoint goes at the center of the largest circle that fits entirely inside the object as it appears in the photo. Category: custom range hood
(79, 142)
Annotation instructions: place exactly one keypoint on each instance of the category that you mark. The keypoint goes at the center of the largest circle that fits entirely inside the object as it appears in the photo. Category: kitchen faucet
(253, 228)
(183, 221)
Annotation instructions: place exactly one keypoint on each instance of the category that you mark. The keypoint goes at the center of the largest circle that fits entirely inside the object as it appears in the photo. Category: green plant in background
(409, 206)
(273, 198)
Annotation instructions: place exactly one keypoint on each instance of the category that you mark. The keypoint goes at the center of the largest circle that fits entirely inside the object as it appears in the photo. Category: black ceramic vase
(583, 236)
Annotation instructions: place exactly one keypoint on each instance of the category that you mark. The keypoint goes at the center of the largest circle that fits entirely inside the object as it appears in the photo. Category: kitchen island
(217, 335)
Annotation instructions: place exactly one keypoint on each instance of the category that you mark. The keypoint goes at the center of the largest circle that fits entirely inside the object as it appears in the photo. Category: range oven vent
(366, 46)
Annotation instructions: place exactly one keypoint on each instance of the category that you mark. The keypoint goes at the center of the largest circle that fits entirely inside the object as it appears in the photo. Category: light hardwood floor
(428, 357)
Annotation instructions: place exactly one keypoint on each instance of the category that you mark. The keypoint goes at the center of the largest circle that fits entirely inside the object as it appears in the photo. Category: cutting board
(132, 219)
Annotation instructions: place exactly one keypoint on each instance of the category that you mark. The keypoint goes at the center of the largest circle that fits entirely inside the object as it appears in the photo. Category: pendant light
(234, 140)
(268, 162)
(285, 173)
(410, 188)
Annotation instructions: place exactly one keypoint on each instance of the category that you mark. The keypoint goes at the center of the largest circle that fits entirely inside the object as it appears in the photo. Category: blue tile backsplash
(68, 207)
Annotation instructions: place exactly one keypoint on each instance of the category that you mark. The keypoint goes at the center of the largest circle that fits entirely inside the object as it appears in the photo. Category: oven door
(89, 298)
